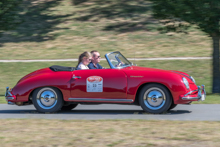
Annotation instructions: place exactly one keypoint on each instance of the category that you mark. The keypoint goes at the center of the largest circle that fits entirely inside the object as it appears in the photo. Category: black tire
(47, 99)
(69, 107)
(155, 98)
(172, 106)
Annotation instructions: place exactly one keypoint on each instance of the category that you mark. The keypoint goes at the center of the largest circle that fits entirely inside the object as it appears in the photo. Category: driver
(94, 64)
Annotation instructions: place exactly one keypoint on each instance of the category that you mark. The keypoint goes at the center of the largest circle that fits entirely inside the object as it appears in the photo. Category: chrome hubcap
(46, 98)
(154, 98)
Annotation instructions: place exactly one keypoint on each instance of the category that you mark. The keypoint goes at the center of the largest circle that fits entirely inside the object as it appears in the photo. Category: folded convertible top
(61, 68)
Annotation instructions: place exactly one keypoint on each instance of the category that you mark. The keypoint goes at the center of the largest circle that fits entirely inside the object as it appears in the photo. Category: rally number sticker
(94, 84)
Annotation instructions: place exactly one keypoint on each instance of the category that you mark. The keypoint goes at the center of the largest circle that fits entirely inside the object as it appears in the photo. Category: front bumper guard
(200, 96)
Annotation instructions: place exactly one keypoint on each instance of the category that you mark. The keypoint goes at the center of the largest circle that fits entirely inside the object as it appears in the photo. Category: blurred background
(63, 29)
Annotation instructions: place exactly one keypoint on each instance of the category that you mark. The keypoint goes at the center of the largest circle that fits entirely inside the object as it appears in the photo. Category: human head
(95, 56)
(85, 58)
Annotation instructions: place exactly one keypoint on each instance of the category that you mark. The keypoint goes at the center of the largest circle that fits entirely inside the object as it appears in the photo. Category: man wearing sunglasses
(94, 64)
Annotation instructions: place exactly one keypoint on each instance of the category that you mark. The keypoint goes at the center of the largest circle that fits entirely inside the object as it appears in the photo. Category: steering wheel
(119, 64)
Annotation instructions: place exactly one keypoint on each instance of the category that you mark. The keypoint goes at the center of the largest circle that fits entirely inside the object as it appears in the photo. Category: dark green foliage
(203, 13)
(9, 16)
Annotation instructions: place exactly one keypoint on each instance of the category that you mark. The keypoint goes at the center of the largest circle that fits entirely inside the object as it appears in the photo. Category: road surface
(194, 112)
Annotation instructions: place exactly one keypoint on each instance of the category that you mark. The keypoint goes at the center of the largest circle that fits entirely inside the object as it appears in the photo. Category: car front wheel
(155, 98)
(47, 99)
(172, 106)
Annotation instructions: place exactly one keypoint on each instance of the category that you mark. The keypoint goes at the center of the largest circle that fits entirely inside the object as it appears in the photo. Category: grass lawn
(109, 133)
(65, 28)
(10, 73)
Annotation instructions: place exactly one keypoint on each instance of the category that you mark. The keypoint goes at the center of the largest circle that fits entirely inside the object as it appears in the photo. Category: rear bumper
(198, 94)
(9, 96)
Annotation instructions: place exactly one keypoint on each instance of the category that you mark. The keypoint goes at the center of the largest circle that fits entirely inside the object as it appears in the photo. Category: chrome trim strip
(99, 100)
(76, 77)
(10, 98)
(190, 92)
(190, 98)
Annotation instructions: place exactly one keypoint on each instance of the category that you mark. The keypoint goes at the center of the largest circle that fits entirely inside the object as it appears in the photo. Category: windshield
(117, 60)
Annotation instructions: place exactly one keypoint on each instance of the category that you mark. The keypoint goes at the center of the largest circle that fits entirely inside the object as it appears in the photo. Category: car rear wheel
(47, 99)
(69, 107)
(155, 98)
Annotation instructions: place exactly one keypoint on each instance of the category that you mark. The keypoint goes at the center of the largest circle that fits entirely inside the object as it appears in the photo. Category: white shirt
(82, 66)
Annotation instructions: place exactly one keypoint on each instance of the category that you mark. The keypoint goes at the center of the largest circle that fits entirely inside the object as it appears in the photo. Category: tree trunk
(215, 63)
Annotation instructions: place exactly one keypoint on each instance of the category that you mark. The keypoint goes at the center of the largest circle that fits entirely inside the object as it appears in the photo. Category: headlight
(186, 83)
(193, 79)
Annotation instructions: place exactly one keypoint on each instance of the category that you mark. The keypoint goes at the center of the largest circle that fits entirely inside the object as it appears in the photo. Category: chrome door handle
(76, 77)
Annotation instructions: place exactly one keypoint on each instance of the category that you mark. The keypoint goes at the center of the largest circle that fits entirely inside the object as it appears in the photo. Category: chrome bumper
(9, 96)
(200, 96)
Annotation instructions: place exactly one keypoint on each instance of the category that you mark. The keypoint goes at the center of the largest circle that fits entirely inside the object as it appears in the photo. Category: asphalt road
(202, 112)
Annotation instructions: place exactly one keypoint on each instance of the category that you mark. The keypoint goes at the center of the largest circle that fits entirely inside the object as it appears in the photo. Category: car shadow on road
(173, 112)
(95, 112)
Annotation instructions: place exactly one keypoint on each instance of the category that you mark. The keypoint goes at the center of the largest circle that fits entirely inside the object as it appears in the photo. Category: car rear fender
(31, 93)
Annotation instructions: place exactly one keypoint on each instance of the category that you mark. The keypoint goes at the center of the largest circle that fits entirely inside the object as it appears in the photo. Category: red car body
(120, 85)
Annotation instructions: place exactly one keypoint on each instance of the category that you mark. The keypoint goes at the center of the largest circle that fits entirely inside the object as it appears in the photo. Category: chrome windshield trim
(111, 65)
(99, 100)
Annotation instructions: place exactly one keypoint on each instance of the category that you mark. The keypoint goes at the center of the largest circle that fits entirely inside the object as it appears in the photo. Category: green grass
(2, 100)
(210, 99)
(64, 29)
(89, 133)
(10, 73)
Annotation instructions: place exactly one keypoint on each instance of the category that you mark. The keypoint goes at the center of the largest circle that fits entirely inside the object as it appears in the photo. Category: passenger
(94, 64)
(84, 60)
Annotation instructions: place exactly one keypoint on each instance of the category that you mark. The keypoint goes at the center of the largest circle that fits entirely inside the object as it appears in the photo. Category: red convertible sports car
(63, 88)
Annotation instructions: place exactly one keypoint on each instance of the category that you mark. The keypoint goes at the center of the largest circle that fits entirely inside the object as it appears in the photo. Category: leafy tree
(9, 17)
(203, 13)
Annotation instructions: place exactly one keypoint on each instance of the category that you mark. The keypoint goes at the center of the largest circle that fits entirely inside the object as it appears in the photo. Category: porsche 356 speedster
(63, 88)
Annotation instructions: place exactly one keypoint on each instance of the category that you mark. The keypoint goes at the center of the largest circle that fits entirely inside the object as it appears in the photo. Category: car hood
(142, 69)
(181, 73)
(138, 68)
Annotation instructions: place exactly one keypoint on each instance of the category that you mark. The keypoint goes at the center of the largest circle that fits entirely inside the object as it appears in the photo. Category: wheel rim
(47, 98)
(154, 98)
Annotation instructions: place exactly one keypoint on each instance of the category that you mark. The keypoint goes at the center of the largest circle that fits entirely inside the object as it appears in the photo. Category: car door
(99, 83)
